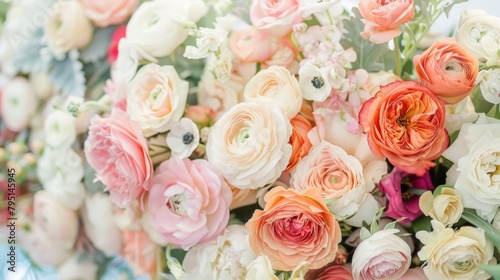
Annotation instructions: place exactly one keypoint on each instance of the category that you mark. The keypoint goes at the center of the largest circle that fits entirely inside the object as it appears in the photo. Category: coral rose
(382, 18)
(404, 122)
(108, 12)
(188, 202)
(118, 153)
(299, 141)
(448, 70)
(294, 227)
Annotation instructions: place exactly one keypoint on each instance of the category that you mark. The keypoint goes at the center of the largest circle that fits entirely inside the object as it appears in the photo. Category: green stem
(397, 53)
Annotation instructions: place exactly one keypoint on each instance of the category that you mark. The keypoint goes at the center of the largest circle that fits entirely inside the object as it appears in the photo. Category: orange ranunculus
(382, 18)
(300, 143)
(448, 70)
(405, 123)
(294, 227)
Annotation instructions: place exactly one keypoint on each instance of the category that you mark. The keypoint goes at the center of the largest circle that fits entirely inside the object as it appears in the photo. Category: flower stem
(397, 53)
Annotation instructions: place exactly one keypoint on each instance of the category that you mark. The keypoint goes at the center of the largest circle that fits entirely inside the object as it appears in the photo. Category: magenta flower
(403, 191)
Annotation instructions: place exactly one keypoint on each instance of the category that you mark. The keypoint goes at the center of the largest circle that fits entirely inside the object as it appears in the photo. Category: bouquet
(262, 139)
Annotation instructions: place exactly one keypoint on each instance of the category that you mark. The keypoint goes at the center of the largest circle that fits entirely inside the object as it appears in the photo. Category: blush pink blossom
(189, 202)
(108, 12)
(276, 17)
(118, 153)
(251, 45)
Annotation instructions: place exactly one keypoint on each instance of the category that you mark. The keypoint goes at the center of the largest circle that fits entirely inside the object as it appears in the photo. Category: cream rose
(476, 169)
(156, 98)
(275, 85)
(381, 256)
(68, 27)
(157, 27)
(249, 144)
(450, 254)
(261, 268)
(381, 78)
(446, 207)
(480, 34)
(18, 104)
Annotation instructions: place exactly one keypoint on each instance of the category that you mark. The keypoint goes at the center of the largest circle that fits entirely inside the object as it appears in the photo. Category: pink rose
(108, 12)
(119, 33)
(118, 153)
(336, 272)
(189, 202)
(251, 45)
(277, 17)
(382, 18)
(403, 201)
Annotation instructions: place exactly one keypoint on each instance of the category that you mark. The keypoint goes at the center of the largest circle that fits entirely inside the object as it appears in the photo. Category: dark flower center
(406, 185)
(402, 121)
(318, 82)
(187, 138)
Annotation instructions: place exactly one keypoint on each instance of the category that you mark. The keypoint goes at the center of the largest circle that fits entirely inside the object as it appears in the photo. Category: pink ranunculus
(403, 202)
(108, 12)
(118, 153)
(277, 17)
(119, 33)
(188, 202)
(382, 18)
(140, 251)
(251, 45)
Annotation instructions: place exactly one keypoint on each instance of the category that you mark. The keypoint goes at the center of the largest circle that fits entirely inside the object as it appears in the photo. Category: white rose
(68, 27)
(156, 98)
(479, 33)
(249, 145)
(488, 83)
(225, 257)
(157, 27)
(98, 218)
(18, 104)
(275, 85)
(450, 254)
(261, 269)
(447, 207)
(381, 256)
(476, 169)
(53, 232)
(78, 267)
(60, 129)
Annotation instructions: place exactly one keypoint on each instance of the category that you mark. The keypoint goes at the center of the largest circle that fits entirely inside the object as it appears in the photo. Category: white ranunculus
(249, 144)
(18, 104)
(68, 27)
(489, 85)
(450, 254)
(225, 257)
(78, 267)
(98, 218)
(60, 129)
(261, 269)
(381, 256)
(65, 162)
(157, 27)
(275, 85)
(476, 169)
(156, 98)
(314, 82)
(479, 33)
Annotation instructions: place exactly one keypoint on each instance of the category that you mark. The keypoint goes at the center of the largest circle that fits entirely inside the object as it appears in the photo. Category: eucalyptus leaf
(67, 75)
(493, 270)
(31, 54)
(448, 7)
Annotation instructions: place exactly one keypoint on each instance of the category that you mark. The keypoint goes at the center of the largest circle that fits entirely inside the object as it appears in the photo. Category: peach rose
(276, 17)
(251, 45)
(382, 18)
(286, 55)
(404, 122)
(108, 12)
(242, 197)
(294, 227)
(336, 272)
(118, 153)
(300, 143)
(140, 252)
(448, 70)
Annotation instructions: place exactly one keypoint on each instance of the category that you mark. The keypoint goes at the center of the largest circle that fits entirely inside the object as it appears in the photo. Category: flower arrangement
(283, 139)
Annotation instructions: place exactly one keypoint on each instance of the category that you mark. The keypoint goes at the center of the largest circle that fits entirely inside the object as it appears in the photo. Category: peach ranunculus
(294, 227)
(275, 85)
(218, 96)
(140, 252)
(249, 144)
(448, 70)
(299, 141)
(188, 202)
(118, 153)
(109, 12)
(251, 44)
(336, 272)
(404, 122)
(382, 18)
(276, 17)
(156, 98)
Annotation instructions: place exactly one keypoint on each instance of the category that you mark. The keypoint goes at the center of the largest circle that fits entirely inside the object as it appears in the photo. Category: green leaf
(174, 265)
(67, 75)
(492, 233)
(480, 104)
(364, 233)
(422, 223)
(438, 190)
(494, 112)
(493, 270)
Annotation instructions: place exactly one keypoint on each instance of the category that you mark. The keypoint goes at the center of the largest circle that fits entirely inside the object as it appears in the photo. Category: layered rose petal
(299, 141)
(405, 123)
(108, 12)
(294, 227)
(275, 17)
